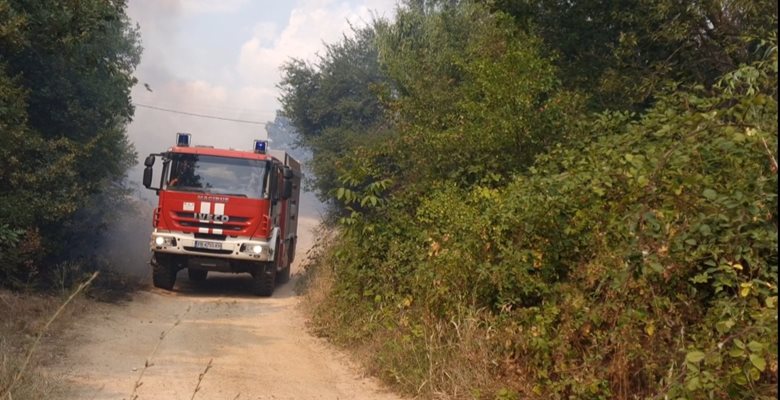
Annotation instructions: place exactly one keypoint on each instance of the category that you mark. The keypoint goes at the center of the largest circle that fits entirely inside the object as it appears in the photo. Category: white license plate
(208, 245)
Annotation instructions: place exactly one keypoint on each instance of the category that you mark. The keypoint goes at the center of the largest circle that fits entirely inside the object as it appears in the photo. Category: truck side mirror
(287, 190)
(273, 185)
(288, 172)
(148, 176)
(149, 161)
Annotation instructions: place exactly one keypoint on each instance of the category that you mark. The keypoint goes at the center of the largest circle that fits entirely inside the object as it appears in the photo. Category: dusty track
(259, 346)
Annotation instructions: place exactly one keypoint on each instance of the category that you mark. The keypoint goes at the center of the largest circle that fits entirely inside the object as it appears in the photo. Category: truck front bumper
(240, 248)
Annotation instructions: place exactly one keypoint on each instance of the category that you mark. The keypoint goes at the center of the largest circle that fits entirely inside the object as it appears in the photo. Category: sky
(223, 58)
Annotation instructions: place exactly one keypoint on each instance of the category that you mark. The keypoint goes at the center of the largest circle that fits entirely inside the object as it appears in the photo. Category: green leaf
(694, 357)
(754, 374)
(724, 326)
(755, 347)
(656, 266)
(693, 384)
(705, 230)
(758, 362)
(737, 353)
(709, 194)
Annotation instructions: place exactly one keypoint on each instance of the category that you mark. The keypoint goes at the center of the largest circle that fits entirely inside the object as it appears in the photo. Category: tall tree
(475, 95)
(65, 77)
(335, 103)
(626, 51)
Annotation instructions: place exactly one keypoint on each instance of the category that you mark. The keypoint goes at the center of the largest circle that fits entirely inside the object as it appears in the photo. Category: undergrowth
(30, 329)
(640, 262)
(22, 318)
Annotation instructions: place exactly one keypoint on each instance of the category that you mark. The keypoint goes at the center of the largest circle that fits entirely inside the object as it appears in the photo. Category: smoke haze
(221, 59)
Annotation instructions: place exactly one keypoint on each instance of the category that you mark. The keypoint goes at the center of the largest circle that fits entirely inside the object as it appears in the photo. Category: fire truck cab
(224, 210)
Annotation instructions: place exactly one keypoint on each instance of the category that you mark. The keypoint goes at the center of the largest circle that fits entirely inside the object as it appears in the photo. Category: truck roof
(210, 151)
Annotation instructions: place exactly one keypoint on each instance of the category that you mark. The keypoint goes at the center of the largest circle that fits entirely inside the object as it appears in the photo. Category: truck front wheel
(283, 276)
(264, 280)
(163, 271)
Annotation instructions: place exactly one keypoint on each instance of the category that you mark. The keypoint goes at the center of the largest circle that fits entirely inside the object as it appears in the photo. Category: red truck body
(224, 210)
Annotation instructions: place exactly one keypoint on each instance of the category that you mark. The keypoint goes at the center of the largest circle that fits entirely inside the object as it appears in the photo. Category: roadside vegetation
(17, 335)
(548, 199)
(65, 77)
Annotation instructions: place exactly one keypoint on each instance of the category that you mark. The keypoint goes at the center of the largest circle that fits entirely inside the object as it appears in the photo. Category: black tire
(197, 275)
(163, 272)
(264, 280)
(283, 276)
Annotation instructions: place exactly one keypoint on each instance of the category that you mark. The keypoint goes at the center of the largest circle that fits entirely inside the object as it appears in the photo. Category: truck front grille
(209, 251)
(234, 225)
(210, 236)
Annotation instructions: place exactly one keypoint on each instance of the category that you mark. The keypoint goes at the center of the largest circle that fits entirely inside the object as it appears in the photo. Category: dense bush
(642, 263)
(511, 237)
(65, 76)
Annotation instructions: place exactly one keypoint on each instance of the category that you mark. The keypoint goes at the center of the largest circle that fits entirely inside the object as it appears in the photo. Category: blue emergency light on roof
(183, 139)
(261, 146)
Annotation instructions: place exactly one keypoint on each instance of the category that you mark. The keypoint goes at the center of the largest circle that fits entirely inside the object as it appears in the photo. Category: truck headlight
(254, 249)
(161, 241)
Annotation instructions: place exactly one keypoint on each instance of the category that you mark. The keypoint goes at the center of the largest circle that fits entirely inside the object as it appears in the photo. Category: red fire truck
(224, 210)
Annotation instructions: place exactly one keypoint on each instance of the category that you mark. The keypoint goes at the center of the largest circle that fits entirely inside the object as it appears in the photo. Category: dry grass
(314, 272)
(445, 360)
(441, 360)
(200, 379)
(28, 334)
(148, 363)
(31, 326)
(317, 280)
(115, 287)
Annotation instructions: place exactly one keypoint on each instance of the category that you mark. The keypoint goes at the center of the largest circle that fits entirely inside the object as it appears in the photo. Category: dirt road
(258, 347)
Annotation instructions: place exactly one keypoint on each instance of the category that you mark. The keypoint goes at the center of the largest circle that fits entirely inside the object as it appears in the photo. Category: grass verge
(31, 325)
(448, 359)
(23, 317)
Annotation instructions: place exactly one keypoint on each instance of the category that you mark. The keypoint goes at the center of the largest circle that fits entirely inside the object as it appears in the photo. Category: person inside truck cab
(255, 183)
(182, 174)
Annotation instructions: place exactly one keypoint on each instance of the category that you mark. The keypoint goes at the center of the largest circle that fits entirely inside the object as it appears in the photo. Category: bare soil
(258, 347)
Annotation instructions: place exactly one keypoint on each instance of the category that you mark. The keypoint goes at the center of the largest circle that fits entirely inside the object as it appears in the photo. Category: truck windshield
(217, 175)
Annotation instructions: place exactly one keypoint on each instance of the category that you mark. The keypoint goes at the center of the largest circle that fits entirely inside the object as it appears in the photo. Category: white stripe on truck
(219, 209)
(205, 208)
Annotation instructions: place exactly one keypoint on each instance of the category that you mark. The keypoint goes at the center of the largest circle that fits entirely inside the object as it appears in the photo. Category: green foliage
(335, 104)
(468, 113)
(658, 243)
(624, 52)
(505, 240)
(65, 77)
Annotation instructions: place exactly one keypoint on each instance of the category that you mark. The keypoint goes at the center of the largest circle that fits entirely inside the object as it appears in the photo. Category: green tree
(508, 241)
(335, 103)
(625, 51)
(65, 77)
(476, 100)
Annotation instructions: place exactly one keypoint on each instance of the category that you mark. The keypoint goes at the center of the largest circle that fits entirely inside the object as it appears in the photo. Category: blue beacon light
(183, 139)
(261, 146)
